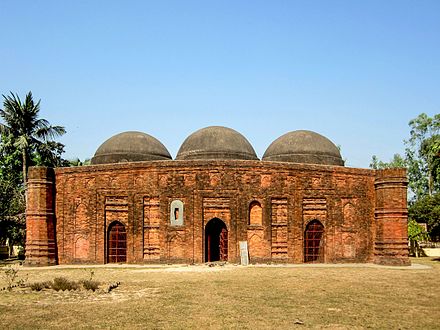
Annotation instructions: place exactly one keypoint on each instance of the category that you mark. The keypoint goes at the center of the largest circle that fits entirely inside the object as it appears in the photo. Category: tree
(25, 140)
(23, 127)
(416, 233)
(422, 155)
(422, 159)
(12, 214)
(397, 162)
(10, 161)
(427, 210)
(49, 154)
(78, 162)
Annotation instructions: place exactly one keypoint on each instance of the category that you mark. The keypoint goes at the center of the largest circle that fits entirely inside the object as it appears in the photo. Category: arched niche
(255, 214)
(349, 212)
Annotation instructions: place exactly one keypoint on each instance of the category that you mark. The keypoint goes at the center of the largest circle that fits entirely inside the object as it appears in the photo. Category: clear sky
(354, 71)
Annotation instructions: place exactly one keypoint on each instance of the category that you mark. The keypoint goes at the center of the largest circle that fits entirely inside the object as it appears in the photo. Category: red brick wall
(139, 195)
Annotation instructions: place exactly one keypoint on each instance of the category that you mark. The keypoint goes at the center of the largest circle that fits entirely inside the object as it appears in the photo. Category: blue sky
(354, 71)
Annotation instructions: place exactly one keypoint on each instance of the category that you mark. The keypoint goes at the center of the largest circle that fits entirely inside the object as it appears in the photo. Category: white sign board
(244, 254)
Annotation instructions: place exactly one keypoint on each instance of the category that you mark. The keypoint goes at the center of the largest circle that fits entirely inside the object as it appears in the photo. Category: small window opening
(176, 213)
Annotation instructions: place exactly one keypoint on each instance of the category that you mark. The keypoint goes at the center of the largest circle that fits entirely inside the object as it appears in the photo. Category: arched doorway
(216, 241)
(116, 243)
(313, 242)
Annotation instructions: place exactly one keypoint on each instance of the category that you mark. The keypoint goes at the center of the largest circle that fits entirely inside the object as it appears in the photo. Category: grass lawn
(231, 297)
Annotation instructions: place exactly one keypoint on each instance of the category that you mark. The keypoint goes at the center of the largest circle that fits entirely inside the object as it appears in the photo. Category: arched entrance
(216, 241)
(313, 242)
(116, 243)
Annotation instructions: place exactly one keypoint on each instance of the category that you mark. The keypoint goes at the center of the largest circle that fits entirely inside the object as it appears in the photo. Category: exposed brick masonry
(267, 204)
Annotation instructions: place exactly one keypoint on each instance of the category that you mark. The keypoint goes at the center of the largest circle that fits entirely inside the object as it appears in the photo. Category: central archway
(216, 241)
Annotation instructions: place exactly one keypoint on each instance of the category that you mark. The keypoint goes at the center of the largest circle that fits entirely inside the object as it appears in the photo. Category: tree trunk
(430, 183)
(413, 248)
(10, 248)
(24, 154)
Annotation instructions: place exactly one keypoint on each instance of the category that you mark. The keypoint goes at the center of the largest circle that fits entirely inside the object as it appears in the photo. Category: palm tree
(22, 125)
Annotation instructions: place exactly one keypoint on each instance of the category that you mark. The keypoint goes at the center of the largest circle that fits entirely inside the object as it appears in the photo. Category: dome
(216, 142)
(130, 147)
(304, 147)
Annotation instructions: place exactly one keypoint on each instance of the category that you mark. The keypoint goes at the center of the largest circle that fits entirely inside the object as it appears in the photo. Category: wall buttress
(391, 214)
(40, 217)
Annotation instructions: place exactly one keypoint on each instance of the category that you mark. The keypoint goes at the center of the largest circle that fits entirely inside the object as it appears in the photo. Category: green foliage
(49, 154)
(397, 162)
(422, 159)
(30, 135)
(12, 214)
(416, 232)
(427, 210)
(25, 140)
(422, 155)
(78, 162)
(10, 161)
(11, 200)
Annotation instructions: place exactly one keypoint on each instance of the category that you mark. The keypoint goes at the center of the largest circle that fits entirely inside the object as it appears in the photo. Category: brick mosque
(135, 204)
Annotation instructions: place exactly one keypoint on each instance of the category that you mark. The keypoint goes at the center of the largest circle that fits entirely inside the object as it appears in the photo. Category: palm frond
(4, 130)
(22, 142)
(50, 132)
(27, 132)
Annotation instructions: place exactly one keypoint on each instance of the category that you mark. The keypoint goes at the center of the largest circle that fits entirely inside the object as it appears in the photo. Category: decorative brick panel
(152, 232)
(279, 228)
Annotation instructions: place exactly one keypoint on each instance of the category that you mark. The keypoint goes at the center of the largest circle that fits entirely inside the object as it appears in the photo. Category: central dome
(216, 142)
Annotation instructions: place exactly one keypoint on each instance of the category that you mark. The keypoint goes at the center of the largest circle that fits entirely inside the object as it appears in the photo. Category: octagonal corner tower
(130, 147)
(305, 147)
(216, 142)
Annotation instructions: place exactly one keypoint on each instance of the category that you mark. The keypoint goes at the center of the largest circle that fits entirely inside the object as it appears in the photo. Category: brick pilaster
(40, 217)
(391, 214)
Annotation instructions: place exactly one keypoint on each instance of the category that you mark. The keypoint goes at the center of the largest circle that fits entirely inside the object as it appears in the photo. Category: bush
(21, 253)
(10, 274)
(38, 286)
(62, 283)
(90, 285)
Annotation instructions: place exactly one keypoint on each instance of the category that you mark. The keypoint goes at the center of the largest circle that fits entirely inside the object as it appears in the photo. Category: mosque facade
(135, 204)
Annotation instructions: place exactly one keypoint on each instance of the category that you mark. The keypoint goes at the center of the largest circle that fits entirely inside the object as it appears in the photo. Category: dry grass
(232, 297)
